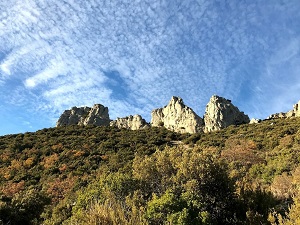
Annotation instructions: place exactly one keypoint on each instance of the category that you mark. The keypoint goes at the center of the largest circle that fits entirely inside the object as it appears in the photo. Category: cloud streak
(64, 53)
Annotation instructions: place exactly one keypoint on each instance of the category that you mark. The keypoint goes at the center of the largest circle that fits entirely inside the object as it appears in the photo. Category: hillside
(247, 174)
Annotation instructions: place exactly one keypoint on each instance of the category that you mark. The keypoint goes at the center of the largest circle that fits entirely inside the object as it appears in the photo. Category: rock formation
(176, 116)
(277, 115)
(135, 122)
(295, 112)
(221, 113)
(253, 121)
(97, 115)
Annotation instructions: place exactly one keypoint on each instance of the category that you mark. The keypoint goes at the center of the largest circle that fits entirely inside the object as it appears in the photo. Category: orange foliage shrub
(104, 157)
(59, 187)
(5, 172)
(29, 162)
(78, 153)
(86, 146)
(5, 157)
(11, 188)
(63, 168)
(49, 161)
(57, 147)
(15, 164)
(241, 150)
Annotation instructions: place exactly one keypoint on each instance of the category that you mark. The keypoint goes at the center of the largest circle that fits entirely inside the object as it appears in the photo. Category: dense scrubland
(246, 174)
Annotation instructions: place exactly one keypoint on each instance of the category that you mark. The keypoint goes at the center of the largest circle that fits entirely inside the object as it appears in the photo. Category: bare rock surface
(135, 122)
(97, 115)
(178, 117)
(253, 121)
(295, 112)
(221, 113)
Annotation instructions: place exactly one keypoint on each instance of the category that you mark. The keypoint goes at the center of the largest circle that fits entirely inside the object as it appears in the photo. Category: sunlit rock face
(178, 117)
(254, 121)
(97, 115)
(296, 109)
(295, 112)
(221, 113)
(135, 122)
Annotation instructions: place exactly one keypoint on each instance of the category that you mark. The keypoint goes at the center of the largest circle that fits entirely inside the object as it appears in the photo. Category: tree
(23, 208)
(188, 186)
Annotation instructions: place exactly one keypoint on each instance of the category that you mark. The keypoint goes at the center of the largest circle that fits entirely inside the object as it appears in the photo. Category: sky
(134, 55)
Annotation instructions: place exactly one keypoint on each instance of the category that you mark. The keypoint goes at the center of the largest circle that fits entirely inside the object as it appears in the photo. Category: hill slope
(104, 175)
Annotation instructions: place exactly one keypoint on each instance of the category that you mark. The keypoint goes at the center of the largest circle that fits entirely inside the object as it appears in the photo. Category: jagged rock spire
(221, 113)
(97, 115)
(175, 116)
(178, 117)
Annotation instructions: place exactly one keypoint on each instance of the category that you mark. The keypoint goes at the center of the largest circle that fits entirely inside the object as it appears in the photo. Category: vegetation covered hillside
(248, 174)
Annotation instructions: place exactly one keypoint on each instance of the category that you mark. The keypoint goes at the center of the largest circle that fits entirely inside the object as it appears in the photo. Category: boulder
(135, 122)
(97, 115)
(253, 121)
(178, 117)
(221, 113)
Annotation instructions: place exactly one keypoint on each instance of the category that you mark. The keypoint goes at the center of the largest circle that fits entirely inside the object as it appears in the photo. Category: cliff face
(176, 116)
(221, 113)
(295, 112)
(97, 115)
(135, 122)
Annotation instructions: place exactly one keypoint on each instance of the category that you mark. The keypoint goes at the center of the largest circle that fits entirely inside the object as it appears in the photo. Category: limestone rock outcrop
(178, 117)
(135, 122)
(221, 113)
(97, 115)
(278, 115)
(295, 112)
(253, 121)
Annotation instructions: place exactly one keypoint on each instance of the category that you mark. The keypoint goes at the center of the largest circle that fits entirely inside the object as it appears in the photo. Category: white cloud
(62, 51)
(5, 68)
(286, 53)
(278, 87)
(53, 71)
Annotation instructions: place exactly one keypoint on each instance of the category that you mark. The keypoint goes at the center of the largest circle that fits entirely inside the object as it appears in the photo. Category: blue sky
(132, 56)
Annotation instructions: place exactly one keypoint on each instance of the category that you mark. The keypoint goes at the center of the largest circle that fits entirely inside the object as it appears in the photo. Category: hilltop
(176, 116)
(77, 174)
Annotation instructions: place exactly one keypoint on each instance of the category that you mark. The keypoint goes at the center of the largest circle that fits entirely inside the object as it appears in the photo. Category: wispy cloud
(51, 72)
(281, 71)
(62, 53)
